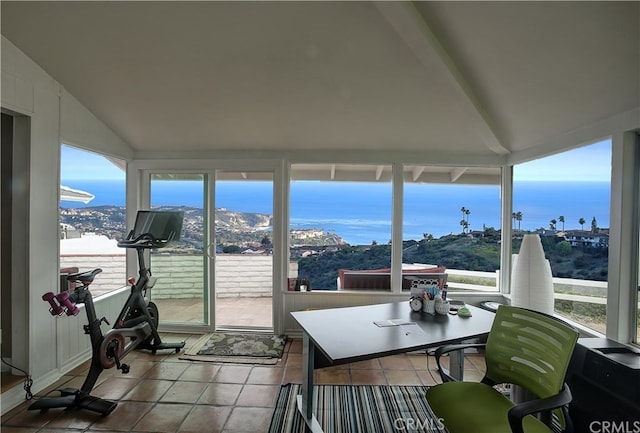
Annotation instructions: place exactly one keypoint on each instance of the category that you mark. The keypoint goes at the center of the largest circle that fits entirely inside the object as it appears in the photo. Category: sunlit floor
(230, 312)
(162, 393)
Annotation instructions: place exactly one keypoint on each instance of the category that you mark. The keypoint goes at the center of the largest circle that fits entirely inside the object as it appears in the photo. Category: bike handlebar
(145, 240)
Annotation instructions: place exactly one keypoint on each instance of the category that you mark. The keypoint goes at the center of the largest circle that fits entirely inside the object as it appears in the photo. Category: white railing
(237, 275)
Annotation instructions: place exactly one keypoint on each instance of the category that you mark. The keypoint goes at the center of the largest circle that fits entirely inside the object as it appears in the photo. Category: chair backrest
(529, 349)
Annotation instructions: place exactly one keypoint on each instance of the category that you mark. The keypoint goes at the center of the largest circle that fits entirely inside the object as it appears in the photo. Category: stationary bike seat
(85, 278)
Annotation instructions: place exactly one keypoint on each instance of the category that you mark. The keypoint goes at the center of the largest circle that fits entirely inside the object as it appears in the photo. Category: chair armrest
(519, 411)
(442, 350)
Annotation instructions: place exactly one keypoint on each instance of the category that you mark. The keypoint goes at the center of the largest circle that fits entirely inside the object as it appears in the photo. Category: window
(340, 222)
(565, 198)
(452, 220)
(92, 217)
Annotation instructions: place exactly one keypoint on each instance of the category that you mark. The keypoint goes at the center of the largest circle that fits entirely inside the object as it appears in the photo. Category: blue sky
(587, 163)
(80, 164)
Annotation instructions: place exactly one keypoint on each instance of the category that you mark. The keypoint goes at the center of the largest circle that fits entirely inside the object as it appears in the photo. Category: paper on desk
(391, 322)
(411, 328)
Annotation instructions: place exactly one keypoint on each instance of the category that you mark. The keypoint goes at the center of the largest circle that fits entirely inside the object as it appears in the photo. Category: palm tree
(552, 224)
(594, 225)
(581, 221)
(518, 218)
(561, 219)
(464, 224)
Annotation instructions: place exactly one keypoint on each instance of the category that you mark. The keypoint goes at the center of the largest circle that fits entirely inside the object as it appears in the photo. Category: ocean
(361, 213)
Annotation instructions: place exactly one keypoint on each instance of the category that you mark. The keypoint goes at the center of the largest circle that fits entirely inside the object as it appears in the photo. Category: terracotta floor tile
(30, 418)
(200, 372)
(183, 392)
(249, 419)
(20, 429)
(148, 390)
(210, 419)
(399, 362)
(366, 364)
(419, 362)
(223, 394)
(402, 377)
(292, 375)
(163, 418)
(138, 368)
(428, 378)
(368, 377)
(266, 375)
(126, 415)
(166, 370)
(76, 419)
(230, 373)
(333, 376)
(258, 395)
(294, 360)
(295, 345)
(114, 388)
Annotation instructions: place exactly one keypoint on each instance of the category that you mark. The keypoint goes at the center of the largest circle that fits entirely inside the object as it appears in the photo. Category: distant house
(580, 238)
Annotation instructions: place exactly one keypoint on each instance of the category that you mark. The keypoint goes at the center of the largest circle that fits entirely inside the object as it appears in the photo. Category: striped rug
(358, 409)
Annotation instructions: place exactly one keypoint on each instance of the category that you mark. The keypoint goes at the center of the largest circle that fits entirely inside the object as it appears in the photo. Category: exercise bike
(136, 327)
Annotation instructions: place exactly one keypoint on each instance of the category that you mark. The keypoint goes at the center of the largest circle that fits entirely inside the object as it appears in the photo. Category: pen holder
(429, 306)
(442, 307)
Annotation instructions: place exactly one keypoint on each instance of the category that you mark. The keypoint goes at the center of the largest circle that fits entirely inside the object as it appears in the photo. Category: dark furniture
(343, 335)
(604, 377)
(380, 279)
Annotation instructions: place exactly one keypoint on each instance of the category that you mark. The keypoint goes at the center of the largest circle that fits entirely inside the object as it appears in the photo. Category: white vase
(532, 282)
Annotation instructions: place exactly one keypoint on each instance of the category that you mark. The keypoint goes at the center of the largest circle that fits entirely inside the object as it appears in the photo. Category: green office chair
(525, 348)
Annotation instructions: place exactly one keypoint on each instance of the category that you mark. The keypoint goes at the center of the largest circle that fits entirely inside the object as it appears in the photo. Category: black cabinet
(604, 378)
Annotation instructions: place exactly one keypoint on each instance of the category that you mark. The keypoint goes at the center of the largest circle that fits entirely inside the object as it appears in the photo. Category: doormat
(237, 347)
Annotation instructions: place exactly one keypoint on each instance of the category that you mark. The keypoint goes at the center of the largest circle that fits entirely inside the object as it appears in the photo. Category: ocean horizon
(361, 213)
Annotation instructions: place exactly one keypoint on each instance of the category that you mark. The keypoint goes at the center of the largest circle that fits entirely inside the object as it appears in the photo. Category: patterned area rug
(358, 409)
(237, 347)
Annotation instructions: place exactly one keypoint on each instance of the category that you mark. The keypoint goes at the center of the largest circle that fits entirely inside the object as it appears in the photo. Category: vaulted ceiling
(473, 78)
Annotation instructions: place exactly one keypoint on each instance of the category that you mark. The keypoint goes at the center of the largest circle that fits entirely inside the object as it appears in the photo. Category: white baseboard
(16, 395)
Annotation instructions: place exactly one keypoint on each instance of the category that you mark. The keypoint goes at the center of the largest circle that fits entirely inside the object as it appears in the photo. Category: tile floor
(165, 394)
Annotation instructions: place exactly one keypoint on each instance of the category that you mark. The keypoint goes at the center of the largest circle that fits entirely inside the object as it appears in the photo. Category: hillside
(235, 231)
(454, 252)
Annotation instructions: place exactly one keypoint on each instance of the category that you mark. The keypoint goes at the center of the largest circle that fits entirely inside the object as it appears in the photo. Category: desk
(342, 335)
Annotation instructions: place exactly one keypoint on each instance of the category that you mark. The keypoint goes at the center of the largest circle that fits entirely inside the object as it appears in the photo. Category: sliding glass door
(243, 264)
(220, 275)
(181, 292)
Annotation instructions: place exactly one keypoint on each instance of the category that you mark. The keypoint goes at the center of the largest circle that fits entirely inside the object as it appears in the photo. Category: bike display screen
(164, 226)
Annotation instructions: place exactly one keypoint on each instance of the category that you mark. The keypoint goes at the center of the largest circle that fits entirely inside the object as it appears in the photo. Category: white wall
(28, 90)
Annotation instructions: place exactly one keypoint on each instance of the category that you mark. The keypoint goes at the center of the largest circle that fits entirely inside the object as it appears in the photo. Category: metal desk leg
(305, 399)
(456, 364)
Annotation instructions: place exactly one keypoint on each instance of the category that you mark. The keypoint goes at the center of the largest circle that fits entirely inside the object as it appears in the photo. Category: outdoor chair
(524, 348)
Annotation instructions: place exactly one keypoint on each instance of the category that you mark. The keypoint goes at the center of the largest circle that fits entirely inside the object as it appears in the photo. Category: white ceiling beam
(455, 173)
(333, 171)
(244, 175)
(415, 32)
(417, 171)
(379, 171)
